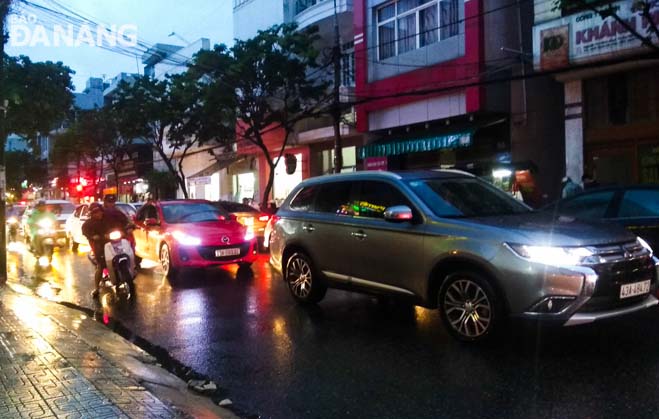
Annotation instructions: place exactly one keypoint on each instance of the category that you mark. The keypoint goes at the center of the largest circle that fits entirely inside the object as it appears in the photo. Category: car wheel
(303, 282)
(166, 262)
(245, 265)
(469, 306)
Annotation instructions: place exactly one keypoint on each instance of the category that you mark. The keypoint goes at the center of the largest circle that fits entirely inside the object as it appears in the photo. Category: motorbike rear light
(264, 218)
(115, 235)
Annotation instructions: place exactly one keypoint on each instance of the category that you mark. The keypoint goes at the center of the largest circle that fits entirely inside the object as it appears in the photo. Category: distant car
(634, 207)
(247, 216)
(81, 214)
(191, 234)
(62, 210)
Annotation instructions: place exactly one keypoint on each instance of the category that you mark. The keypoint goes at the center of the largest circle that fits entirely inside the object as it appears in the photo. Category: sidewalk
(57, 363)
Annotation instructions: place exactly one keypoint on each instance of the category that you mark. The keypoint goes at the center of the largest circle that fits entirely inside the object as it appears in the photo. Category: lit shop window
(405, 25)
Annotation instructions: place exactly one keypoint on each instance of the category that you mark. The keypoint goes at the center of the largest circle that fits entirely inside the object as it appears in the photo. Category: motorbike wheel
(124, 277)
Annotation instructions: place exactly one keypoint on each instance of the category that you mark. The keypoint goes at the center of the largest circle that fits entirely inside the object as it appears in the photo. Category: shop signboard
(375, 163)
(586, 37)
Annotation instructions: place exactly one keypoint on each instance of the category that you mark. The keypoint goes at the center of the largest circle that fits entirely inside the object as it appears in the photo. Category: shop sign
(202, 180)
(375, 163)
(590, 37)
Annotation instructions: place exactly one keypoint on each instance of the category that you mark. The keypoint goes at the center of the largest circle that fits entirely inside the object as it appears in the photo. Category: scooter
(44, 242)
(120, 261)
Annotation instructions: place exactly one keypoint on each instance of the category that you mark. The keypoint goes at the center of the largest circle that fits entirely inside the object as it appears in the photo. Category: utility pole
(4, 11)
(336, 105)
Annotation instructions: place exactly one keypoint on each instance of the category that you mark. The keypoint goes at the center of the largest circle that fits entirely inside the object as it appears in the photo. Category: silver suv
(448, 240)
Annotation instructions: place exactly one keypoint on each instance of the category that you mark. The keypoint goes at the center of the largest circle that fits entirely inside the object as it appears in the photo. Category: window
(78, 211)
(589, 206)
(335, 198)
(303, 201)
(406, 25)
(376, 197)
(148, 211)
(640, 203)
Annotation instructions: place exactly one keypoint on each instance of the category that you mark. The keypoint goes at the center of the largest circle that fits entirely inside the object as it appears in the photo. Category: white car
(81, 214)
(62, 210)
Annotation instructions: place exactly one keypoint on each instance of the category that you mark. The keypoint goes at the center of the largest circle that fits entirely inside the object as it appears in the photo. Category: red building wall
(463, 70)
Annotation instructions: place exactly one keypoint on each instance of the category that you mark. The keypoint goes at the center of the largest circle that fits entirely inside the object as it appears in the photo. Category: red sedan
(191, 234)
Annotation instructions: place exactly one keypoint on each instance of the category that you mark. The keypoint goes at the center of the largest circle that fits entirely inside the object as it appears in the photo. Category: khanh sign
(584, 37)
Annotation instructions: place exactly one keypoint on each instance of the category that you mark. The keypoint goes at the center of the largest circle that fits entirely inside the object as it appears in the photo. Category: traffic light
(24, 184)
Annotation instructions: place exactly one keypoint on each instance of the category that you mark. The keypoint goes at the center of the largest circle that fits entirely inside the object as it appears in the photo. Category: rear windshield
(236, 207)
(465, 198)
(64, 208)
(192, 213)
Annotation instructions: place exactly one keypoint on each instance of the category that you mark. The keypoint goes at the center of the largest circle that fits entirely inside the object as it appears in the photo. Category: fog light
(552, 305)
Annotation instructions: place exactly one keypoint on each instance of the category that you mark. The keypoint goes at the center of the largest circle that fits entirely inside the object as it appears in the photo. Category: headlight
(249, 234)
(115, 235)
(12, 220)
(645, 245)
(46, 224)
(186, 239)
(549, 255)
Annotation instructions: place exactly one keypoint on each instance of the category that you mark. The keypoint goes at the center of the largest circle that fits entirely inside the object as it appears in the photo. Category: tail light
(264, 218)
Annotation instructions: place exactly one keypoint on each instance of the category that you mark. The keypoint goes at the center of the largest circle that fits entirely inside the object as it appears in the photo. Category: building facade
(443, 84)
(611, 88)
(313, 141)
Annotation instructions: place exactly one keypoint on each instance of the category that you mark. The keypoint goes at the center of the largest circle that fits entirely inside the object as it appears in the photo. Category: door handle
(308, 228)
(360, 235)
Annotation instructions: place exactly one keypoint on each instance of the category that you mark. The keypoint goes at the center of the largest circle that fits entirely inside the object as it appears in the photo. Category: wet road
(354, 357)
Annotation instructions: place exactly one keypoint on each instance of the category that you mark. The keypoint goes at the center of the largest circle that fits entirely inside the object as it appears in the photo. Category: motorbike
(44, 242)
(120, 261)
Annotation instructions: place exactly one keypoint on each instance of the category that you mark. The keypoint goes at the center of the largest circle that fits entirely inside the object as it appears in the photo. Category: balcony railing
(302, 5)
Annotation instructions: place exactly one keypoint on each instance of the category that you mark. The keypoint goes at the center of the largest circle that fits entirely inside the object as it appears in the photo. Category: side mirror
(151, 222)
(398, 213)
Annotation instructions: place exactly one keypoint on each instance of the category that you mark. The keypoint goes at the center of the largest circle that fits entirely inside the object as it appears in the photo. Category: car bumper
(204, 256)
(597, 297)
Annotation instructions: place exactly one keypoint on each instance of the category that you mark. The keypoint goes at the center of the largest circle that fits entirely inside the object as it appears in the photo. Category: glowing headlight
(115, 235)
(548, 255)
(186, 239)
(645, 245)
(12, 220)
(45, 224)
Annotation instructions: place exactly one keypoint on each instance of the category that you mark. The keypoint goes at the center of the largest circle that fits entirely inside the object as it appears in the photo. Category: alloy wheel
(165, 259)
(299, 277)
(467, 308)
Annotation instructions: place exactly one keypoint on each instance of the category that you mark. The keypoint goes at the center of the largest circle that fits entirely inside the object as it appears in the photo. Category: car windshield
(126, 209)
(181, 213)
(235, 207)
(63, 208)
(465, 197)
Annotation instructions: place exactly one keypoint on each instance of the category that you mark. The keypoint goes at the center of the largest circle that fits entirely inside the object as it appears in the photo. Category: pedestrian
(588, 181)
(569, 188)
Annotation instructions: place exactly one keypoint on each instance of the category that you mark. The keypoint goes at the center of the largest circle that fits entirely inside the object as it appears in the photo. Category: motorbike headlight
(45, 224)
(186, 239)
(645, 245)
(12, 220)
(550, 255)
(115, 235)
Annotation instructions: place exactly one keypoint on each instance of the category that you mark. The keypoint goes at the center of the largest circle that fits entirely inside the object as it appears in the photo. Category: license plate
(634, 289)
(227, 252)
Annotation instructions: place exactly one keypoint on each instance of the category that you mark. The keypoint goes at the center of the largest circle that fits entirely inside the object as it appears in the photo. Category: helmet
(95, 206)
(110, 198)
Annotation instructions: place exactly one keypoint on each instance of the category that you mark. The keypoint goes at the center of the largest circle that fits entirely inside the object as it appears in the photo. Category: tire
(74, 245)
(166, 262)
(469, 307)
(125, 278)
(305, 285)
(245, 265)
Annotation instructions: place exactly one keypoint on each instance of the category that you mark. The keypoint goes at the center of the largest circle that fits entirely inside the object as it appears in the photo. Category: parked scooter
(120, 260)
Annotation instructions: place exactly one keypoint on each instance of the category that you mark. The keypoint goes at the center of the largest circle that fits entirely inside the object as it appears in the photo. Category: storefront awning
(418, 145)
(223, 161)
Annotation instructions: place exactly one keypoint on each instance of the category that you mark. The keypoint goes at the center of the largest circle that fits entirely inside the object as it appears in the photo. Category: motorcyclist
(95, 229)
(38, 216)
(117, 217)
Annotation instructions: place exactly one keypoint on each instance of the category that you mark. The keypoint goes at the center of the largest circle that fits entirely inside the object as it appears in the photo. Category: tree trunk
(4, 11)
(268, 186)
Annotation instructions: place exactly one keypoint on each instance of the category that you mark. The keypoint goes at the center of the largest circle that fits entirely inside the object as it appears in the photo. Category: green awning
(418, 145)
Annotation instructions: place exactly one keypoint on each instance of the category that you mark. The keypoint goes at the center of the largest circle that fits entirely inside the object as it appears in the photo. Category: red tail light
(264, 218)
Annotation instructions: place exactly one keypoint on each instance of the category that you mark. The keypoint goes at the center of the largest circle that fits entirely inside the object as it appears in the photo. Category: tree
(160, 112)
(39, 97)
(647, 9)
(162, 185)
(24, 166)
(263, 84)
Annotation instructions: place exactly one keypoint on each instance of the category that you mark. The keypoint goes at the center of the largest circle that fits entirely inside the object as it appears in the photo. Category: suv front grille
(618, 265)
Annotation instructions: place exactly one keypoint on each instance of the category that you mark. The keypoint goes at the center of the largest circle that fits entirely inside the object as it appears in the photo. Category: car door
(73, 221)
(140, 232)
(154, 232)
(323, 227)
(79, 221)
(385, 254)
(639, 212)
